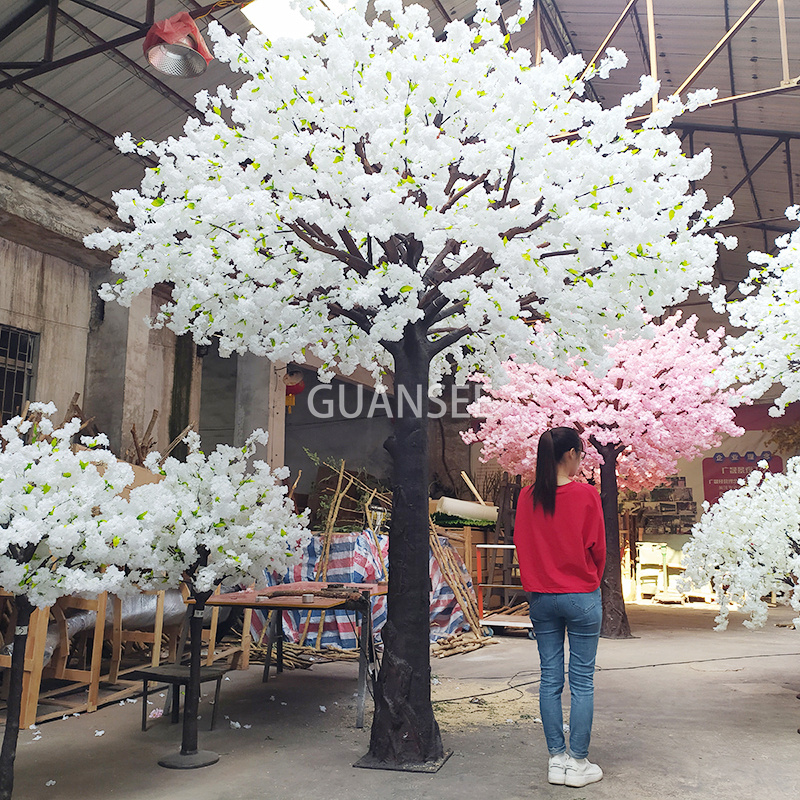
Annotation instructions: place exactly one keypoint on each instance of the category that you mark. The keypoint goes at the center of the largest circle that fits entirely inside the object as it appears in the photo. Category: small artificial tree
(384, 196)
(769, 351)
(212, 518)
(748, 542)
(63, 526)
(748, 545)
(658, 402)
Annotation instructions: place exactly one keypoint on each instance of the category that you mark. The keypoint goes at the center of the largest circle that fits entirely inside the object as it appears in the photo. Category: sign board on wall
(723, 472)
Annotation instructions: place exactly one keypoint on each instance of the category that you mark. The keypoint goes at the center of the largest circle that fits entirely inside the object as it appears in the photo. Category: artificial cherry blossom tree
(748, 545)
(379, 195)
(212, 518)
(769, 351)
(658, 402)
(64, 530)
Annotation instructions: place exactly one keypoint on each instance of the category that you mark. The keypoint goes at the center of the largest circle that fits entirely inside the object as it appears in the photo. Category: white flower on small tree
(748, 545)
(64, 530)
(215, 517)
(769, 351)
(212, 518)
(382, 196)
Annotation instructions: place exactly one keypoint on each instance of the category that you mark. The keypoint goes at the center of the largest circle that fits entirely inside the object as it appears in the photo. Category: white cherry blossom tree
(769, 350)
(380, 196)
(212, 517)
(64, 530)
(748, 544)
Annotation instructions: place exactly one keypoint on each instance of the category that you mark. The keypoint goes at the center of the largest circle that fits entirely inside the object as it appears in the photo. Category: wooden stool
(177, 675)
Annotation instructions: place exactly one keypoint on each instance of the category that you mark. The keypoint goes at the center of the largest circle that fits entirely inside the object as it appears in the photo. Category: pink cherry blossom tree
(658, 402)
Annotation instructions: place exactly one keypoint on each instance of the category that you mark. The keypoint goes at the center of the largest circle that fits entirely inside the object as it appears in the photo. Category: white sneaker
(556, 768)
(579, 772)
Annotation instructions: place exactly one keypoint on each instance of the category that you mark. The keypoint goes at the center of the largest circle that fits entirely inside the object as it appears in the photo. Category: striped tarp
(354, 558)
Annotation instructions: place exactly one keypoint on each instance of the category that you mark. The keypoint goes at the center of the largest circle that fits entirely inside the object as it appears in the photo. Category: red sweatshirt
(565, 552)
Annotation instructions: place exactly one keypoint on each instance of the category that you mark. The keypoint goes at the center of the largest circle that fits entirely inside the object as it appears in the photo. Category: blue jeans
(580, 614)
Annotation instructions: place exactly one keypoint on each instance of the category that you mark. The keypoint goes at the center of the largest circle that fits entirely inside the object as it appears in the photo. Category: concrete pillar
(116, 365)
(260, 403)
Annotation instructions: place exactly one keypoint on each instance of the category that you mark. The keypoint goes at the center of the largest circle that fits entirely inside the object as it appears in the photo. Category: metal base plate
(368, 762)
(202, 758)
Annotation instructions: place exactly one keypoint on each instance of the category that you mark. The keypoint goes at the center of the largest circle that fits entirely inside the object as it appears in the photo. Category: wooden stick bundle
(461, 642)
(457, 581)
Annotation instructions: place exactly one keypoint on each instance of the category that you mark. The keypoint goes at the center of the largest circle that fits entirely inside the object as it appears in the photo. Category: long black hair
(552, 446)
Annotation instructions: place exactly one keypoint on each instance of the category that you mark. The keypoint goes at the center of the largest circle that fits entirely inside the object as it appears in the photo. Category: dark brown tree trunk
(192, 701)
(8, 753)
(404, 730)
(615, 619)
(190, 755)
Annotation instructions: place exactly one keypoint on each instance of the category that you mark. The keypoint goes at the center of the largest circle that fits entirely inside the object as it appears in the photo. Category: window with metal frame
(18, 351)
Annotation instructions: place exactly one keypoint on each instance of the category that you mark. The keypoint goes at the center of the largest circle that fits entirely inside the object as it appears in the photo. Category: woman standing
(561, 548)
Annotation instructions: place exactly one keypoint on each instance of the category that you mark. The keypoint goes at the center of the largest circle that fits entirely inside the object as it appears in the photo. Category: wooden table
(271, 600)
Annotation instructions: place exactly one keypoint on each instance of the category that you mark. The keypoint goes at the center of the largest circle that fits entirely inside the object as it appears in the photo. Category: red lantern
(294, 385)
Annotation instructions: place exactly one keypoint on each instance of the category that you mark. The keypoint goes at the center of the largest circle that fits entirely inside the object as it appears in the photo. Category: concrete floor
(680, 712)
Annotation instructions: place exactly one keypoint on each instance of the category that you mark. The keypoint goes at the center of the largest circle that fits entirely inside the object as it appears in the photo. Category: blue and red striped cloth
(354, 558)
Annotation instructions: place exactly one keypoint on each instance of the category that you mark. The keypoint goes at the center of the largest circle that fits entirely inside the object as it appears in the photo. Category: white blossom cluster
(769, 352)
(67, 528)
(748, 545)
(64, 529)
(377, 175)
(215, 517)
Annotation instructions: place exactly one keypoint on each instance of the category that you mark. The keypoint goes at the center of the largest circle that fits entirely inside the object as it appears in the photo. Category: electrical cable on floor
(608, 669)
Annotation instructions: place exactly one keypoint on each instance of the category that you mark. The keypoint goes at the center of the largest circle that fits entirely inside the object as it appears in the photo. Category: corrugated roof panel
(110, 96)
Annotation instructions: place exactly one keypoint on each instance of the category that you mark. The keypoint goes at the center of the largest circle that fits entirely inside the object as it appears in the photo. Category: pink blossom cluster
(660, 401)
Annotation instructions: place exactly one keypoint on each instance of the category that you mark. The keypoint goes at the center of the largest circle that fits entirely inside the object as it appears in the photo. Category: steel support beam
(609, 36)
(737, 98)
(73, 59)
(50, 35)
(651, 46)
(784, 44)
(107, 12)
(750, 172)
(754, 223)
(719, 45)
(703, 128)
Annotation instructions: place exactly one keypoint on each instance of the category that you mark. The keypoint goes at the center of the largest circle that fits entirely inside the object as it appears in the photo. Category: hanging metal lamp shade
(175, 47)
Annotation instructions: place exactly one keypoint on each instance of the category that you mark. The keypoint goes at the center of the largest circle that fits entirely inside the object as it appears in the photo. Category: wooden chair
(34, 660)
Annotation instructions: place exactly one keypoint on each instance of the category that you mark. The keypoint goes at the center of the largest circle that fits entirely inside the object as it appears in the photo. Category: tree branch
(476, 264)
(451, 247)
(361, 152)
(454, 198)
(507, 187)
(555, 253)
(450, 311)
(448, 339)
(307, 234)
(516, 231)
(358, 318)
